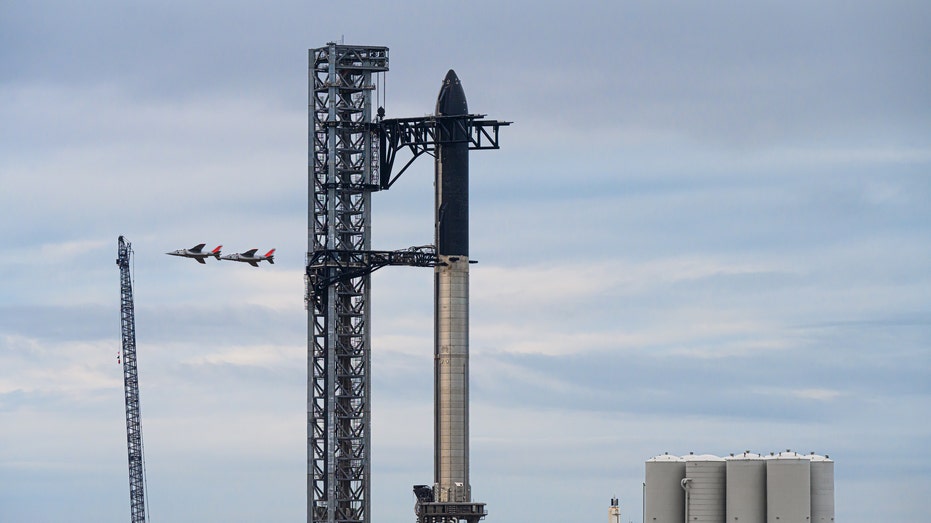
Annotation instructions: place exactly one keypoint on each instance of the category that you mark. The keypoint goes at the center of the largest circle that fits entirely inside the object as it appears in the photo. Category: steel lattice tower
(131, 386)
(343, 172)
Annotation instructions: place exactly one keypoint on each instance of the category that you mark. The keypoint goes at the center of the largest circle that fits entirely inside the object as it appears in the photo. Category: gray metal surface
(822, 489)
(746, 488)
(663, 497)
(451, 371)
(788, 488)
(704, 488)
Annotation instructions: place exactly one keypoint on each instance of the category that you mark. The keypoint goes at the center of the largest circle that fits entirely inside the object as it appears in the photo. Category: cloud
(69, 371)
(260, 356)
(817, 394)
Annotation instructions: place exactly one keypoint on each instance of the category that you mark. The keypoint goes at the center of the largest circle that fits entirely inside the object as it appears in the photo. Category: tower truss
(131, 386)
(343, 172)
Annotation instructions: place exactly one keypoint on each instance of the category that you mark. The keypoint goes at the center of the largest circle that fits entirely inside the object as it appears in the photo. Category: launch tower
(343, 173)
(351, 156)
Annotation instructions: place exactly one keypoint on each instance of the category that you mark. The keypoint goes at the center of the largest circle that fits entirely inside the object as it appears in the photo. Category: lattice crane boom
(131, 387)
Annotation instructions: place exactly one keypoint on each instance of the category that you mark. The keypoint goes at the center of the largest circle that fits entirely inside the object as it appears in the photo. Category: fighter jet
(250, 257)
(197, 252)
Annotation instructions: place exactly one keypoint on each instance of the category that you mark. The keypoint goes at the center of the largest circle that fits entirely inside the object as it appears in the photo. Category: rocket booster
(451, 301)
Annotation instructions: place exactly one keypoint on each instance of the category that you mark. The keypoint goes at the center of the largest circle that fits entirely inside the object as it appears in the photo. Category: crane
(131, 387)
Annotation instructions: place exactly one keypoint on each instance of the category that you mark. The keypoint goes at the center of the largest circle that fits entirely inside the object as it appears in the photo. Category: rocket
(451, 300)
(452, 173)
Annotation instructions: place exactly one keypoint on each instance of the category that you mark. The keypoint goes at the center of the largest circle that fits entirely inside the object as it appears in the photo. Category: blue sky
(707, 230)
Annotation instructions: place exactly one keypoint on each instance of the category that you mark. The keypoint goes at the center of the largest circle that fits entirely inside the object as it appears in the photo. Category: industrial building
(784, 487)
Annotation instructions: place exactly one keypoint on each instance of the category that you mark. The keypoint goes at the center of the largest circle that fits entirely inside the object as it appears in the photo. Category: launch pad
(351, 157)
(430, 511)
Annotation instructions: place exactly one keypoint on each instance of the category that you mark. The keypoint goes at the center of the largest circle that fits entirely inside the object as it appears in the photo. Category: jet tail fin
(270, 256)
(216, 252)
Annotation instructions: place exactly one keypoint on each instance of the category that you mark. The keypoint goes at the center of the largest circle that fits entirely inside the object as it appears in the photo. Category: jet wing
(199, 247)
(250, 253)
(254, 264)
(200, 260)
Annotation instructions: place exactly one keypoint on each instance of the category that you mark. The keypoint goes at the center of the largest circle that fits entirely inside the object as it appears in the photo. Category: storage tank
(746, 488)
(788, 488)
(704, 487)
(822, 489)
(663, 497)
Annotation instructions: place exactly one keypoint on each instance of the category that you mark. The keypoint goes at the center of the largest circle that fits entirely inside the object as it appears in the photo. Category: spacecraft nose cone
(452, 100)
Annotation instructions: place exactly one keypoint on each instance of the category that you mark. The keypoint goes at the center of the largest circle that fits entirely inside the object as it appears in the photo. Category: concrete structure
(614, 512)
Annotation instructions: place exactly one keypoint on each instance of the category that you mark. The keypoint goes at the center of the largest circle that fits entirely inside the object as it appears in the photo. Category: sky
(706, 231)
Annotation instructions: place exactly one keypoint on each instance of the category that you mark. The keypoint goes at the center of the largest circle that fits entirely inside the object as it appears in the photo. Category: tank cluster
(783, 487)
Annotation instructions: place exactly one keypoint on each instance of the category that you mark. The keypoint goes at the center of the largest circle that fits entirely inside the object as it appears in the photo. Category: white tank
(822, 489)
(746, 488)
(704, 488)
(663, 497)
(788, 488)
